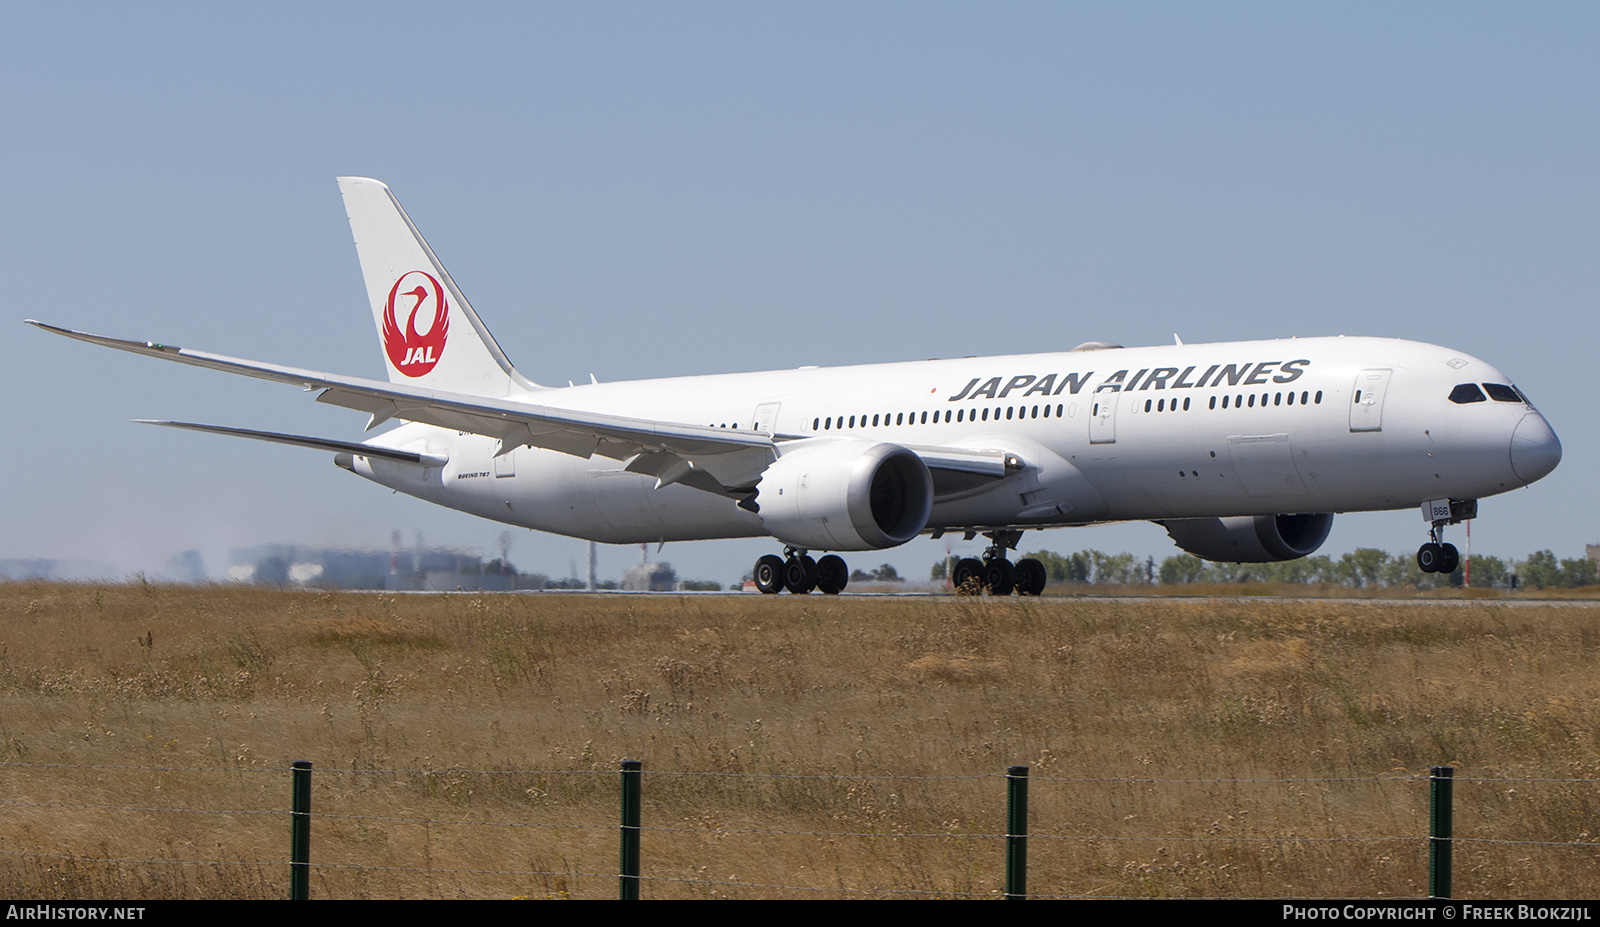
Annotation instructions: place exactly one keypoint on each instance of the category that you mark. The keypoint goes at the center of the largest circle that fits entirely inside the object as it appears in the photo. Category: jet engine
(845, 495)
(1251, 538)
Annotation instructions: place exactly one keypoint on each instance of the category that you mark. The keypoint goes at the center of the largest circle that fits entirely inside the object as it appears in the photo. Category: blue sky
(641, 189)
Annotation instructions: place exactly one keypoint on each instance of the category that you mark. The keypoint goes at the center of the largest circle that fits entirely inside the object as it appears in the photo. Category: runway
(1456, 602)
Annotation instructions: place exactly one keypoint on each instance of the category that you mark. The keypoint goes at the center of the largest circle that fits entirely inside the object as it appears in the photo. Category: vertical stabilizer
(427, 330)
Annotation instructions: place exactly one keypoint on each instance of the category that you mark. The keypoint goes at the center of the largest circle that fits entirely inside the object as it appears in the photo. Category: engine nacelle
(1251, 538)
(845, 495)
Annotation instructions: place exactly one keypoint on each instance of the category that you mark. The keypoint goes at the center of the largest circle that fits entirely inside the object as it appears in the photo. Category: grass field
(467, 745)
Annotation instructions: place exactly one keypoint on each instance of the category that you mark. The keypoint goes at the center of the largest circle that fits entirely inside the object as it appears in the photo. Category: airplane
(1242, 451)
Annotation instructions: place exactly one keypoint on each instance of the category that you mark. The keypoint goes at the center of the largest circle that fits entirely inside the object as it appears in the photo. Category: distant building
(49, 568)
(650, 577)
(422, 568)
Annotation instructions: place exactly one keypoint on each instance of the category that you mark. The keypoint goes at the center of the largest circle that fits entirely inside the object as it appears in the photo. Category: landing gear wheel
(832, 575)
(769, 574)
(800, 574)
(1429, 557)
(968, 575)
(1450, 560)
(1000, 577)
(1031, 577)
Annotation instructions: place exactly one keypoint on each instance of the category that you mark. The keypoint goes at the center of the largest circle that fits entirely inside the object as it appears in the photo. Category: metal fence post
(1016, 833)
(1440, 830)
(632, 782)
(300, 833)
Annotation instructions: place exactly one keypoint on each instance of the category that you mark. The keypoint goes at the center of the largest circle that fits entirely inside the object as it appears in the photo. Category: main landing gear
(997, 575)
(1437, 556)
(800, 574)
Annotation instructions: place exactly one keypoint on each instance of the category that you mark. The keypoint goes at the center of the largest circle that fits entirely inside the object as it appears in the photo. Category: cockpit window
(1500, 392)
(1467, 392)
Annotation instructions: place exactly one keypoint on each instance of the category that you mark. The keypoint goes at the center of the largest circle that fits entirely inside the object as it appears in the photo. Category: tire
(1429, 556)
(832, 575)
(999, 577)
(800, 575)
(1450, 560)
(1031, 577)
(768, 574)
(968, 576)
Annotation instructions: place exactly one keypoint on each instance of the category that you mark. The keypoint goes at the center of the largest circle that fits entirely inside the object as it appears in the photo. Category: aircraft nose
(1535, 449)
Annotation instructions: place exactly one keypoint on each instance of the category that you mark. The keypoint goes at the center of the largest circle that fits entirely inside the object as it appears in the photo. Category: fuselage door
(1366, 402)
(1103, 417)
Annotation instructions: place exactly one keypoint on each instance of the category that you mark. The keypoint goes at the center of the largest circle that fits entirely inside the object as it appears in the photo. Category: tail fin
(429, 333)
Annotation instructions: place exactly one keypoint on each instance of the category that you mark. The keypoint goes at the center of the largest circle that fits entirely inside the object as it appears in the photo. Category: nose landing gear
(1436, 556)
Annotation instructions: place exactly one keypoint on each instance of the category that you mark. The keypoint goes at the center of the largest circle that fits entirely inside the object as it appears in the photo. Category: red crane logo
(413, 353)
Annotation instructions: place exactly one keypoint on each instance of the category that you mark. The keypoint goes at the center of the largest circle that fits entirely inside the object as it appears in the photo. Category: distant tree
(1183, 568)
(1362, 567)
(1118, 569)
(1314, 569)
(1580, 571)
(1073, 568)
(1540, 570)
(273, 571)
(1489, 571)
(187, 566)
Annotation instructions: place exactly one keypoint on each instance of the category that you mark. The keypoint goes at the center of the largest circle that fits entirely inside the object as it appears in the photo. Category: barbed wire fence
(546, 833)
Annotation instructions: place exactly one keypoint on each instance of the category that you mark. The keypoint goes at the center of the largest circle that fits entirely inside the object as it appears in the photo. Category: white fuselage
(1246, 428)
(1242, 451)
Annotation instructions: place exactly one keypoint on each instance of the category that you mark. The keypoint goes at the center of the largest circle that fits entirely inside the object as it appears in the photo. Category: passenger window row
(1244, 400)
(841, 422)
(1010, 413)
(1463, 393)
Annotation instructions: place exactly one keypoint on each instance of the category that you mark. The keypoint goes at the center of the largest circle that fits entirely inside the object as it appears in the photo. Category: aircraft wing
(734, 458)
(714, 459)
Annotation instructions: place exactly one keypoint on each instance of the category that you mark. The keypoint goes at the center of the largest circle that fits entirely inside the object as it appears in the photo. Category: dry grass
(853, 726)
